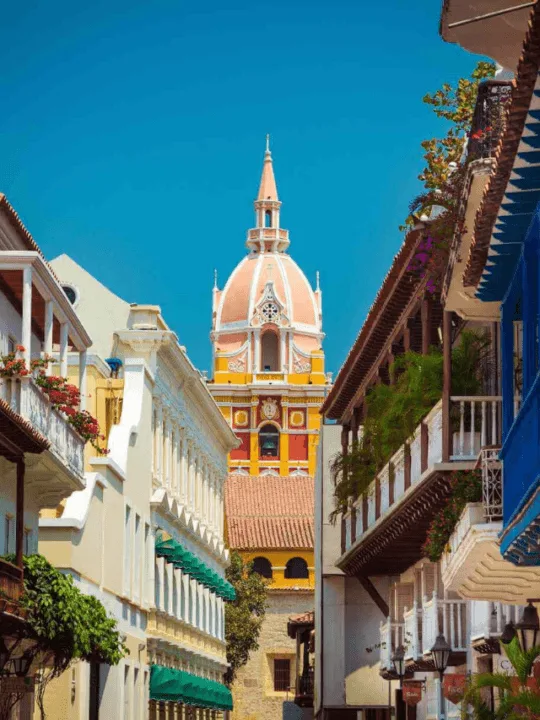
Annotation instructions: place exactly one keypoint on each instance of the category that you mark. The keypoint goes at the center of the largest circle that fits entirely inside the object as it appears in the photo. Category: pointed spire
(215, 279)
(268, 189)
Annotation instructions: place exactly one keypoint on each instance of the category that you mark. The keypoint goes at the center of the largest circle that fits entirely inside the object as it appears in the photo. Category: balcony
(11, 590)
(473, 565)
(60, 470)
(419, 629)
(488, 620)
(385, 531)
(489, 118)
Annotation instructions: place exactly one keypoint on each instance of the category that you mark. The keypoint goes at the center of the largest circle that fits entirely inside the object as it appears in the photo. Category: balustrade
(27, 399)
(477, 423)
(413, 632)
(391, 635)
(448, 617)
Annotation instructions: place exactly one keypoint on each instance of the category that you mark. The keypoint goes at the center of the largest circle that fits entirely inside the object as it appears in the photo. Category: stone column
(167, 451)
(27, 314)
(159, 440)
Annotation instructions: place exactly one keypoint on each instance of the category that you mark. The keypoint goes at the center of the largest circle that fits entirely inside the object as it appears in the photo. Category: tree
(63, 625)
(244, 616)
(518, 694)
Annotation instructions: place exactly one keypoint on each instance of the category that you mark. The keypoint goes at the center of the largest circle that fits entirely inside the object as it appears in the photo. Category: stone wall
(253, 691)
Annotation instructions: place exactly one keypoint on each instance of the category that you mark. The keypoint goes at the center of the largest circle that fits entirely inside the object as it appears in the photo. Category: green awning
(181, 558)
(171, 685)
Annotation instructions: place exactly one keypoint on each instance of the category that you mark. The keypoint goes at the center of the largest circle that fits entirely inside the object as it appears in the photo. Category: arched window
(297, 568)
(269, 441)
(270, 352)
(268, 218)
(262, 566)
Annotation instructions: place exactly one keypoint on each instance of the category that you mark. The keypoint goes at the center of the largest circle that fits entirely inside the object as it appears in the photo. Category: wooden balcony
(11, 590)
(387, 526)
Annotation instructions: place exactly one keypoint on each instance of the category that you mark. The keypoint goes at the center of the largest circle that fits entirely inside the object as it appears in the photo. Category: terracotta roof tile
(526, 75)
(268, 512)
(31, 439)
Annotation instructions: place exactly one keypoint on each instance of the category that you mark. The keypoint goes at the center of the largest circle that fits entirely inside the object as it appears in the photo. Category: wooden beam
(373, 593)
(426, 324)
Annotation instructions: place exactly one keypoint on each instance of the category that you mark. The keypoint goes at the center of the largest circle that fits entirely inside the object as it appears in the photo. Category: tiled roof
(296, 621)
(268, 512)
(392, 298)
(526, 75)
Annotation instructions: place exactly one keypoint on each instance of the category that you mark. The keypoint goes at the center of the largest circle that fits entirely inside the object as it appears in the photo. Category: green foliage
(518, 694)
(244, 616)
(466, 488)
(63, 625)
(393, 412)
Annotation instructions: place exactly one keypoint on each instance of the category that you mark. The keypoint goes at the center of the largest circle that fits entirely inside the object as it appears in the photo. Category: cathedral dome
(267, 315)
(267, 286)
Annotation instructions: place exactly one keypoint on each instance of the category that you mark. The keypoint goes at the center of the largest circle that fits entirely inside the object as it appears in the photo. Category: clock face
(270, 312)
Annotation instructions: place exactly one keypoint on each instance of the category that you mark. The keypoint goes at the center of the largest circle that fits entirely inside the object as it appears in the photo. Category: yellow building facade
(269, 381)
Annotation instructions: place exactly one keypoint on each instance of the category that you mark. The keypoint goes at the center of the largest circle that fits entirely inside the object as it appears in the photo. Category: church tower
(269, 382)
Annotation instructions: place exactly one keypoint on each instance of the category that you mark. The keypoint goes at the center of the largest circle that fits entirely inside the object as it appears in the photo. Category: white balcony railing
(448, 617)
(413, 632)
(26, 398)
(391, 634)
(489, 618)
(474, 423)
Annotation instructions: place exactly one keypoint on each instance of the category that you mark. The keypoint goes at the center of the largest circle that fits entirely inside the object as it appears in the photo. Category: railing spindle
(483, 434)
(494, 433)
(472, 433)
(461, 427)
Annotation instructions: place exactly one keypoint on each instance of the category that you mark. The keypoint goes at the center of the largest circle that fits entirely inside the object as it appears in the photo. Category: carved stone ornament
(269, 408)
(301, 365)
(238, 364)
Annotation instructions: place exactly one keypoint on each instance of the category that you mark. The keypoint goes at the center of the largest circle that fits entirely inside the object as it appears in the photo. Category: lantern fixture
(440, 654)
(528, 627)
(398, 661)
(509, 633)
(21, 665)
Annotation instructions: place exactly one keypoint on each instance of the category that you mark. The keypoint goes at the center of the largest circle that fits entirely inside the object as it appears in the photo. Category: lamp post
(398, 661)
(440, 654)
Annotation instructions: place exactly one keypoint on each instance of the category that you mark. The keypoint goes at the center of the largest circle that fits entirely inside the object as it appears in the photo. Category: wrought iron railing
(305, 683)
(489, 118)
(492, 499)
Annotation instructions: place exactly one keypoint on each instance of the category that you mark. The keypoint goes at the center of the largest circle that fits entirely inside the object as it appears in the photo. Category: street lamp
(21, 665)
(440, 654)
(528, 627)
(509, 633)
(398, 661)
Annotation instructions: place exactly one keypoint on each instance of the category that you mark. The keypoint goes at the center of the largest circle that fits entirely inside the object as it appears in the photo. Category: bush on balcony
(466, 488)
(62, 625)
(393, 412)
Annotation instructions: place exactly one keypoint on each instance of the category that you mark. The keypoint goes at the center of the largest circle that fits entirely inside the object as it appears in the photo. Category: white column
(211, 500)
(48, 339)
(257, 341)
(187, 590)
(167, 450)
(282, 352)
(161, 570)
(63, 349)
(82, 379)
(183, 462)
(177, 463)
(159, 441)
(205, 488)
(207, 610)
(27, 314)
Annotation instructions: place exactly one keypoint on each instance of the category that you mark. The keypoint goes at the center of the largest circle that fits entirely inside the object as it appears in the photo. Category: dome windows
(297, 568)
(270, 352)
(270, 312)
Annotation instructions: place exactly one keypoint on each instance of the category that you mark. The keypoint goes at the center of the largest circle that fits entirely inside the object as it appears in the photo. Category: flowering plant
(13, 364)
(466, 487)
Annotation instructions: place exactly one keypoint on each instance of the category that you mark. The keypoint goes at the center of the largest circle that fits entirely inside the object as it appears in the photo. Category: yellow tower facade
(269, 381)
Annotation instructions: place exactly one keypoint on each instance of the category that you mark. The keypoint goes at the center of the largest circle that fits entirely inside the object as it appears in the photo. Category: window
(270, 347)
(11, 343)
(136, 695)
(268, 218)
(269, 441)
(297, 568)
(282, 675)
(137, 562)
(71, 293)
(262, 566)
(127, 551)
(127, 693)
(8, 529)
(28, 548)
(157, 589)
(148, 560)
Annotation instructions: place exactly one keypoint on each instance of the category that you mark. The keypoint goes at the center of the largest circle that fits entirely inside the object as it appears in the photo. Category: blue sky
(132, 137)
